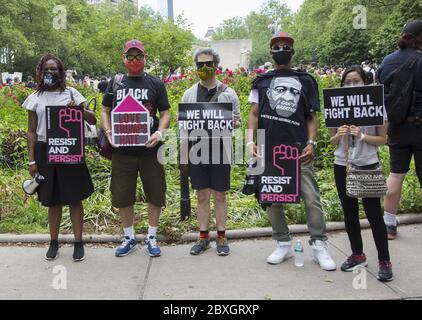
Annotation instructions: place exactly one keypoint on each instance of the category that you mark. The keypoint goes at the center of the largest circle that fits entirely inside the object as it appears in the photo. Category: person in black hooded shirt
(284, 104)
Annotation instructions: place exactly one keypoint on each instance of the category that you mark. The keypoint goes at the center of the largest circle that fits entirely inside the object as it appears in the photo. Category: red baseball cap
(282, 36)
(134, 44)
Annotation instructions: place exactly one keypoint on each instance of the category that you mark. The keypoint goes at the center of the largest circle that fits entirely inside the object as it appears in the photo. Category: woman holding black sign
(65, 184)
(359, 146)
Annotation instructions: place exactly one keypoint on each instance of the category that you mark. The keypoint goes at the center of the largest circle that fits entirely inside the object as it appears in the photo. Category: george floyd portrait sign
(65, 135)
(280, 182)
(360, 106)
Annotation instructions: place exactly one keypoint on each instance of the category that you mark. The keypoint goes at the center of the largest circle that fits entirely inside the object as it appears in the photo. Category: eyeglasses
(210, 64)
(282, 48)
(137, 57)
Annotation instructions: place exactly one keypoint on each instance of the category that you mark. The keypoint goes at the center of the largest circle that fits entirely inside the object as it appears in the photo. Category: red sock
(221, 234)
(204, 234)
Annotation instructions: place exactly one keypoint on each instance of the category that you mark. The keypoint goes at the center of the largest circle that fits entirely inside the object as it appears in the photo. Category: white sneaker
(322, 256)
(281, 253)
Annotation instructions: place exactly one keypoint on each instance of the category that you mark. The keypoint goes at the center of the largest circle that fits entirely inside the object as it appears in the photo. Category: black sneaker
(78, 252)
(53, 250)
(222, 246)
(354, 261)
(385, 273)
(200, 246)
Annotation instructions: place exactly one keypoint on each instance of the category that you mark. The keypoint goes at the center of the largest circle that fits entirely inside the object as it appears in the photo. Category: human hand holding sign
(307, 154)
(283, 154)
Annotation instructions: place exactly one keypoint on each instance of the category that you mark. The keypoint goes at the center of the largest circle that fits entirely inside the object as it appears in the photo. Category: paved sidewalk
(242, 275)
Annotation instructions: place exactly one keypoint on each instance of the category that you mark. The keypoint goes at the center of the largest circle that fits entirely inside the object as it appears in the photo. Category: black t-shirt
(148, 90)
(286, 100)
(205, 95)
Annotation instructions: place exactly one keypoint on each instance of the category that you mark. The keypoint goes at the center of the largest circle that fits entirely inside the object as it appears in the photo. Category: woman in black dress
(65, 184)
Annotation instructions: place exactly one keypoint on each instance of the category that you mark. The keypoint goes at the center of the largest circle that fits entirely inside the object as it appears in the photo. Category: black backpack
(399, 90)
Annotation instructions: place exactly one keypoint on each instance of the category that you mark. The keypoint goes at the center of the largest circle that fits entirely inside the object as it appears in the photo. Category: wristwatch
(314, 143)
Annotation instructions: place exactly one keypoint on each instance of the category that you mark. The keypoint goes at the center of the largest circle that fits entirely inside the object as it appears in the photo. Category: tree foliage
(93, 39)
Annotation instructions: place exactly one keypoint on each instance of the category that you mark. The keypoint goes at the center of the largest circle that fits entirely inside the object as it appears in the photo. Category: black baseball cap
(413, 27)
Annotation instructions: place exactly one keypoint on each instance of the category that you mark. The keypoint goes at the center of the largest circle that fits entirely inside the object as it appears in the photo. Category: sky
(203, 14)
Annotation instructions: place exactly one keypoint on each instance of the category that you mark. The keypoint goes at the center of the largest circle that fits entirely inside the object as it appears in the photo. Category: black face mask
(282, 57)
(50, 79)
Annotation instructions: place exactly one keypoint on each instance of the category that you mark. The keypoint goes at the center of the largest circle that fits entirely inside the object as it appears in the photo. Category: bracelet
(32, 163)
(314, 143)
(160, 134)
(249, 143)
(362, 137)
(108, 131)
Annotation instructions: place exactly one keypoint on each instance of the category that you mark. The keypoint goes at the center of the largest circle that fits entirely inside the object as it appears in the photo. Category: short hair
(208, 52)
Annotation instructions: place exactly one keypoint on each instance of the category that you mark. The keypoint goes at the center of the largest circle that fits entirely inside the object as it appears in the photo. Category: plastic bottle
(299, 258)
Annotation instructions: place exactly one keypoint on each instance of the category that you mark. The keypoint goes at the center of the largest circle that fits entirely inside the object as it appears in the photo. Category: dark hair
(41, 87)
(357, 69)
(407, 40)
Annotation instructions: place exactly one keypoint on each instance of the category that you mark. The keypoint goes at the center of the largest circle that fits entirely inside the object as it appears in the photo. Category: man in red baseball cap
(284, 104)
(129, 162)
(134, 44)
(282, 36)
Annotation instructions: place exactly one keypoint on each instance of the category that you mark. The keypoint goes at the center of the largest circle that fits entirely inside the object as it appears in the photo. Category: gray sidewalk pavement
(244, 274)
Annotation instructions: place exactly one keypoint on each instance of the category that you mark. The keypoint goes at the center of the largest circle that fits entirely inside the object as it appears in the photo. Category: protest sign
(130, 123)
(65, 135)
(280, 182)
(211, 117)
(360, 106)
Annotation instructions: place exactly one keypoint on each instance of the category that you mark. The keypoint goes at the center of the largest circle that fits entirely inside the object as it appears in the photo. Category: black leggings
(373, 212)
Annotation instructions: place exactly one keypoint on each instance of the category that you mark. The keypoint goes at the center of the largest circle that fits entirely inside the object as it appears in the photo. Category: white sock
(152, 231)
(129, 232)
(390, 219)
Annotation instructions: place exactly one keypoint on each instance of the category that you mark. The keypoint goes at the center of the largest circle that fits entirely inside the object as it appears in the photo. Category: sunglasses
(282, 48)
(137, 57)
(210, 64)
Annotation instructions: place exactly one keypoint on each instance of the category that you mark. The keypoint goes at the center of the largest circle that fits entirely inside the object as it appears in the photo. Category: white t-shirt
(37, 104)
(254, 96)
(361, 153)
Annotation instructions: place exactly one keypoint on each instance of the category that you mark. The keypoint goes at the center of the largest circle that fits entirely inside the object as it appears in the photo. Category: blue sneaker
(128, 245)
(152, 246)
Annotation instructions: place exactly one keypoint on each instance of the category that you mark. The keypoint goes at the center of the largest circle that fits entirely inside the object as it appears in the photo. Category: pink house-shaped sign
(130, 123)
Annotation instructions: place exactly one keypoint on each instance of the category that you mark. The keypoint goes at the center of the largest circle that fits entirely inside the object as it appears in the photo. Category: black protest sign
(360, 106)
(65, 135)
(209, 116)
(280, 182)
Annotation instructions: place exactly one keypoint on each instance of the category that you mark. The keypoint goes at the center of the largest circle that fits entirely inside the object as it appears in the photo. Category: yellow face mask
(205, 73)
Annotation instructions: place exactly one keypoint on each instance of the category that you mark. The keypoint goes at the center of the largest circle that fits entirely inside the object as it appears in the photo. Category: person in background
(30, 83)
(102, 86)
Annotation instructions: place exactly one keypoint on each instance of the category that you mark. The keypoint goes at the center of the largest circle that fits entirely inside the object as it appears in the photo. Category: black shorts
(404, 142)
(212, 176)
(65, 184)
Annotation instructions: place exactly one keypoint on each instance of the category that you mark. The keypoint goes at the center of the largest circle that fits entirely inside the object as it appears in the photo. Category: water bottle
(299, 259)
